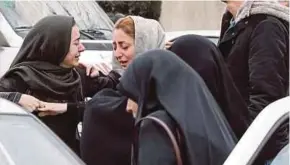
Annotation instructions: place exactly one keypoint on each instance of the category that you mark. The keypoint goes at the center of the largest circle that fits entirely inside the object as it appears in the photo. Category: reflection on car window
(89, 16)
(35, 146)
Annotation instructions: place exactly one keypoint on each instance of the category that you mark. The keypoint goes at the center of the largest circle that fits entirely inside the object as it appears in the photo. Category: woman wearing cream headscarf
(107, 127)
(132, 36)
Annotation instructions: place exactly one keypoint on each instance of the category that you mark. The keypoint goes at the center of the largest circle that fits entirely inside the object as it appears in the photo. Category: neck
(65, 66)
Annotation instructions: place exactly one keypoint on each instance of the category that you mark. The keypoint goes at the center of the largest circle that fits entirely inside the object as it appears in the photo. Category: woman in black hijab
(161, 83)
(204, 57)
(45, 69)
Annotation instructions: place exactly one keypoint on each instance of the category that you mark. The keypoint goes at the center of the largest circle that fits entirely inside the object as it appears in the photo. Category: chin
(75, 64)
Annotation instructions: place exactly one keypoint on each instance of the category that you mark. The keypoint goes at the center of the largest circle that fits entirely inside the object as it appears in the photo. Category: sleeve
(90, 86)
(12, 89)
(268, 72)
(155, 147)
(94, 85)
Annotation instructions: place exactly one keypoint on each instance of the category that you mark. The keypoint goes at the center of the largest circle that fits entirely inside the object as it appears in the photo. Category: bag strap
(170, 134)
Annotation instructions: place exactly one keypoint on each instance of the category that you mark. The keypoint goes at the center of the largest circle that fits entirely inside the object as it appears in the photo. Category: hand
(103, 67)
(168, 44)
(93, 70)
(52, 109)
(30, 103)
(132, 107)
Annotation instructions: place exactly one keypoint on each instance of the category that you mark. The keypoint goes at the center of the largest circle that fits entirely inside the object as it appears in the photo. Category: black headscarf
(107, 130)
(40, 55)
(204, 57)
(160, 79)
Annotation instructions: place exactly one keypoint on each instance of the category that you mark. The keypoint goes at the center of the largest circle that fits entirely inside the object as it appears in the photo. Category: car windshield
(89, 16)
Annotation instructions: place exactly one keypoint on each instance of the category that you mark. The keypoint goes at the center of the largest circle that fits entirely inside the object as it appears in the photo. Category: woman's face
(123, 47)
(76, 47)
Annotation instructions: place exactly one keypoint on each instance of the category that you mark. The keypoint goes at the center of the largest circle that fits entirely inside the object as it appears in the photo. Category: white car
(25, 140)
(212, 35)
(259, 132)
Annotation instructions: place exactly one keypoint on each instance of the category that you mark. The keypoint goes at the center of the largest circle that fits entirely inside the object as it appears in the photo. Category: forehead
(119, 35)
(75, 33)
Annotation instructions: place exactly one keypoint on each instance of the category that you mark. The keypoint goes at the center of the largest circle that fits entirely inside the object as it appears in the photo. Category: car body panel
(25, 140)
(259, 132)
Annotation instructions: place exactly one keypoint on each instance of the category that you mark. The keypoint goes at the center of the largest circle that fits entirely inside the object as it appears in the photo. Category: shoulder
(270, 25)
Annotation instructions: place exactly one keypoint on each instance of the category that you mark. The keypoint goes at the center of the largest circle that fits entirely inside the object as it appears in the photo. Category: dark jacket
(256, 51)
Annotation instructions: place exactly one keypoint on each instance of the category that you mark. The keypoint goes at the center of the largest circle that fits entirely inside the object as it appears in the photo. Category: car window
(279, 131)
(89, 16)
(283, 157)
(215, 40)
(25, 141)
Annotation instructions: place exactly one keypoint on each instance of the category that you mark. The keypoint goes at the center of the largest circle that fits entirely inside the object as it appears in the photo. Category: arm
(268, 73)
(92, 85)
(11, 89)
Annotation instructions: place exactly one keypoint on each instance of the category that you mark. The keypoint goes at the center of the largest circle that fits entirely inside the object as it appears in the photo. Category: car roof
(7, 107)
(207, 33)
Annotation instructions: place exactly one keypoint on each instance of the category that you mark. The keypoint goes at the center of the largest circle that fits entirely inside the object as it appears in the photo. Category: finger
(42, 114)
(44, 108)
(106, 68)
(94, 74)
(48, 113)
(41, 105)
(29, 109)
(88, 70)
(97, 67)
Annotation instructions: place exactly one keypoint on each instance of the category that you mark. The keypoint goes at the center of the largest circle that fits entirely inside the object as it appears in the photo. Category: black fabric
(107, 130)
(159, 80)
(256, 51)
(205, 58)
(48, 40)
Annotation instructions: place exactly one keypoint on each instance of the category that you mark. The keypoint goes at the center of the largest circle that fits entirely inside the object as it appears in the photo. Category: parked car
(212, 35)
(25, 140)
(95, 26)
(259, 132)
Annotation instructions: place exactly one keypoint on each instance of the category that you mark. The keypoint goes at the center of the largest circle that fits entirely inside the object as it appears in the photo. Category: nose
(117, 53)
(81, 47)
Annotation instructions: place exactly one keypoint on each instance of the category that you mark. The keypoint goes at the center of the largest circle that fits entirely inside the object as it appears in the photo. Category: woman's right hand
(168, 44)
(29, 102)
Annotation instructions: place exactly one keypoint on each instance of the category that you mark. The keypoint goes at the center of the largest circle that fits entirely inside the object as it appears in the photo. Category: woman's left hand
(52, 109)
(93, 70)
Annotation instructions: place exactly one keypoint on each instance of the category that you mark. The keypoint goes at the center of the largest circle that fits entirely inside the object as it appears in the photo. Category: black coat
(256, 51)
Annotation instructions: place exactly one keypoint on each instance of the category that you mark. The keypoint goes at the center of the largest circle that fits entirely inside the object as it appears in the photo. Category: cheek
(130, 53)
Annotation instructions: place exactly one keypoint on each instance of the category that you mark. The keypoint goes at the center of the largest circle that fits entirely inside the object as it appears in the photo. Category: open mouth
(77, 57)
(123, 63)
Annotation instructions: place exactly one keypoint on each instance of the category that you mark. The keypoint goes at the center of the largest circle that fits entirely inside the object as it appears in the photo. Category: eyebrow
(77, 39)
